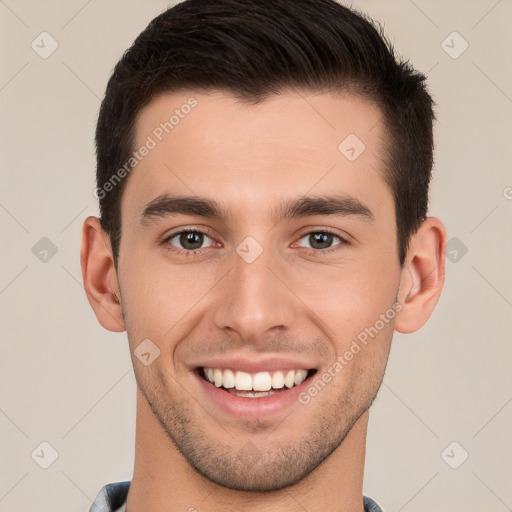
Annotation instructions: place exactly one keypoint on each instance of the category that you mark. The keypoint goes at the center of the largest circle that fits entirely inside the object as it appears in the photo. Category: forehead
(214, 145)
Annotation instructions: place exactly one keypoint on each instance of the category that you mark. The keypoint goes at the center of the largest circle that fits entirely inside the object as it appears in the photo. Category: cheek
(361, 362)
(352, 296)
(159, 296)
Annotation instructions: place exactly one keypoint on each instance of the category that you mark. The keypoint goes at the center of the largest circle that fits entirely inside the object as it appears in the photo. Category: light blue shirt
(112, 498)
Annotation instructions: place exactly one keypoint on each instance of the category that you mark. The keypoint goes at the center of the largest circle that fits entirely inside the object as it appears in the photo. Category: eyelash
(191, 253)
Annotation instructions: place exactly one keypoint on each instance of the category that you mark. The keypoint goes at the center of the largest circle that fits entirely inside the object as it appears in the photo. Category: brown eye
(189, 240)
(321, 240)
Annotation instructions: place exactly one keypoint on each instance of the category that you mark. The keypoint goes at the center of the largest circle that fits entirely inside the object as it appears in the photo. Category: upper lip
(257, 364)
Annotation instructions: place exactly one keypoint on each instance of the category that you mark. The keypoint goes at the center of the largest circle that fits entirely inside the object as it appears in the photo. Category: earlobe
(422, 276)
(99, 275)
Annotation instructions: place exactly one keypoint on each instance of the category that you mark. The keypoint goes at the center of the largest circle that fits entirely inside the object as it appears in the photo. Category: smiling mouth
(255, 385)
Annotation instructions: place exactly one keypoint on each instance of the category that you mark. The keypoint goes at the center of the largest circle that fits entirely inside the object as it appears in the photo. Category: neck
(163, 479)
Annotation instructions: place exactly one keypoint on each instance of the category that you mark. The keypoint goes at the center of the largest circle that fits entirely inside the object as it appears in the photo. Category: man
(263, 171)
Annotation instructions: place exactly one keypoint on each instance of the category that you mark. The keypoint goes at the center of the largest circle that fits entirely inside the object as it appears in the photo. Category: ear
(99, 276)
(422, 276)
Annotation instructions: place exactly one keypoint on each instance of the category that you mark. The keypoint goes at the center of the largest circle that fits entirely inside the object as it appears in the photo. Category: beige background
(68, 382)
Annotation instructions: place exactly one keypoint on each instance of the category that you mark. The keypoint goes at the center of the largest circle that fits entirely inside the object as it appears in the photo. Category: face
(283, 256)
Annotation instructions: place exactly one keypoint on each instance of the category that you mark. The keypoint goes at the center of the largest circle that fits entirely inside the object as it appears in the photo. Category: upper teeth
(261, 381)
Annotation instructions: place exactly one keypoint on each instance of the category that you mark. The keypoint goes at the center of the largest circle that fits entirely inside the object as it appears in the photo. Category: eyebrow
(167, 205)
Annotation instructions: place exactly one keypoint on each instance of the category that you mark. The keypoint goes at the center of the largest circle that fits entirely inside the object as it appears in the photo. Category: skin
(293, 300)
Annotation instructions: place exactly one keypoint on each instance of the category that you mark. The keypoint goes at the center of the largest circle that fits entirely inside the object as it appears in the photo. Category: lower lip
(251, 408)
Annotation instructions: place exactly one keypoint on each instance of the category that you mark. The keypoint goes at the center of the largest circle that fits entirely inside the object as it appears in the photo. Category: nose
(255, 299)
